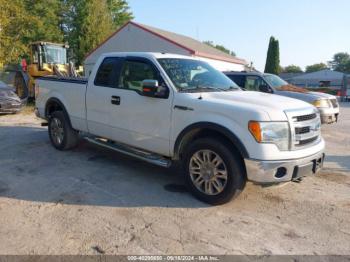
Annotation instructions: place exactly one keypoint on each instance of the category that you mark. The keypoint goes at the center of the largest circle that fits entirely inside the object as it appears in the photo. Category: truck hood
(307, 97)
(273, 105)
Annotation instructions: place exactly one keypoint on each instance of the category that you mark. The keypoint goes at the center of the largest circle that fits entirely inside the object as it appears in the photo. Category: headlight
(321, 103)
(271, 132)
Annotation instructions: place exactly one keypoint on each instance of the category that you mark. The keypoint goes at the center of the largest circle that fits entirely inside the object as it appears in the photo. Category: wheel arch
(54, 104)
(207, 129)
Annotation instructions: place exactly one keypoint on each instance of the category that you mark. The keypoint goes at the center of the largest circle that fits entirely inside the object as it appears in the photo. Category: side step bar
(130, 151)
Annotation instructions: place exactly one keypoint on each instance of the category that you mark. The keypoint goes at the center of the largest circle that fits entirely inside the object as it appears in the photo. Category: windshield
(188, 74)
(55, 54)
(275, 81)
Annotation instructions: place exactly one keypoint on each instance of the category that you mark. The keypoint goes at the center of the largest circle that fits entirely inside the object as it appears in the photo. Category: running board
(130, 151)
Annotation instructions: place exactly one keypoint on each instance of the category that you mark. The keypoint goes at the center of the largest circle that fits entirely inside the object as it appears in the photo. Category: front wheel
(213, 172)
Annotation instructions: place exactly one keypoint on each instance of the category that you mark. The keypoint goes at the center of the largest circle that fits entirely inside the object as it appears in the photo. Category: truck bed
(68, 90)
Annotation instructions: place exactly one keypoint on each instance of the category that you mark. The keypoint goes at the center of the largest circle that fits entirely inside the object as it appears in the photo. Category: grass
(28, 109)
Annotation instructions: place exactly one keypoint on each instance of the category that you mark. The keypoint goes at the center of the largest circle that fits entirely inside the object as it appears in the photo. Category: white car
(165, 108)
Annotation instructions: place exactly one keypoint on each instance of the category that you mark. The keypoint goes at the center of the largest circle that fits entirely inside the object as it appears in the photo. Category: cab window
(134, 72)
(108, 72)
(238, 79)
(253, 83)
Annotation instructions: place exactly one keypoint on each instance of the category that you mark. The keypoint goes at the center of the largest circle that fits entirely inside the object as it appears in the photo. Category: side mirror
(151, 88)
(264, 88)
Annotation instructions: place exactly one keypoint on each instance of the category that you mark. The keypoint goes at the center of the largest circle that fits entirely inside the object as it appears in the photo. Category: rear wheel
(62, 135)
(213, 172)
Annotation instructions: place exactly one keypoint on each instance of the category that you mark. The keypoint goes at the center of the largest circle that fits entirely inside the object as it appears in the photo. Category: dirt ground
(93, 201)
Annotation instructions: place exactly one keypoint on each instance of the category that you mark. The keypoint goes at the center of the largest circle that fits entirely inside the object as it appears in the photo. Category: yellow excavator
(45, 59)
(48, 59)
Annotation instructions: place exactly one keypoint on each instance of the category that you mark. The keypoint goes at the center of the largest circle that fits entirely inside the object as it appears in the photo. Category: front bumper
(277, 171)
(329, 119)
(329, 115)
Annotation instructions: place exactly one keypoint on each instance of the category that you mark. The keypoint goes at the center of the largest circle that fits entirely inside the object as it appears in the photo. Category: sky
(309, 31)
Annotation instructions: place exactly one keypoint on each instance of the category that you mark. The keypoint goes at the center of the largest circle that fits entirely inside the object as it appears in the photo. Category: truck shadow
(343, 162)
(32, 170)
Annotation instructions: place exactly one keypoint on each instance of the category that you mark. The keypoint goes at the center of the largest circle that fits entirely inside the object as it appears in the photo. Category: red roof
(193, 46)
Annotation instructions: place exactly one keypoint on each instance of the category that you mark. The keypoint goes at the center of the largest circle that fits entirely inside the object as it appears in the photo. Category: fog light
(281, 172)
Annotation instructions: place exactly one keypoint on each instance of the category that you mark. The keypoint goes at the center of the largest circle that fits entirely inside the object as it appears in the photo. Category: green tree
(46, 20)
(97, 25)
(220, 47)
(15, 28)
(88, 22)
(315, 67)
(82, 23)
(120, 12)
(341, 62)
(272, 65)
(26, 21)
(292, 69)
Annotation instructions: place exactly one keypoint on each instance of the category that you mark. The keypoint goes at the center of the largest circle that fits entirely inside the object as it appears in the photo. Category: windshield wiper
(232, 88)
(201, 88)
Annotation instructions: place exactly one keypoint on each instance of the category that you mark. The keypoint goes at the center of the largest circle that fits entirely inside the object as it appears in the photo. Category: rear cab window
(238, 79)
(108, 72)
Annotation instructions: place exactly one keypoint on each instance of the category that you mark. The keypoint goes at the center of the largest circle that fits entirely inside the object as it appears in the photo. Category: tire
(62, 135)
(217, 188)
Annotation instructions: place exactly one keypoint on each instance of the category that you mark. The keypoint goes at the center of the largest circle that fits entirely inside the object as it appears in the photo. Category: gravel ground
(92, 201)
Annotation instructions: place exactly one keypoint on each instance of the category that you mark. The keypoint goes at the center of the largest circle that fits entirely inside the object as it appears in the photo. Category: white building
(134, 37)
(322, 78)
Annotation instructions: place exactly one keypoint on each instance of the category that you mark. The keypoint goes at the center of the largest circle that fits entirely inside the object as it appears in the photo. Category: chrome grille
(302, 130)
(305, 117)
(307, 141)
(305, 127)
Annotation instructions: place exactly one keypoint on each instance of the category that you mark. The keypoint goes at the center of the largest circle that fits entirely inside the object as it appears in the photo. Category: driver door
(137, 120)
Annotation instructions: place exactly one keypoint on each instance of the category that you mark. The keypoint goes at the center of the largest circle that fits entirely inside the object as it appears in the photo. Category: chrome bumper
(329, 119)
(266, 172)
(329, 115)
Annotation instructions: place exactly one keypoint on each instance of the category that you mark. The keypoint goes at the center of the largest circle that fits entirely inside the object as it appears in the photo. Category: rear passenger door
(99, 96)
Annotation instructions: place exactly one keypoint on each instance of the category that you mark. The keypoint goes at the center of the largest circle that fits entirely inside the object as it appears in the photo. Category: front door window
(253, 83)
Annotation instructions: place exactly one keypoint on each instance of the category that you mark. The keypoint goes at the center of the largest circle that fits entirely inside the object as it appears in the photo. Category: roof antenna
(200, 96)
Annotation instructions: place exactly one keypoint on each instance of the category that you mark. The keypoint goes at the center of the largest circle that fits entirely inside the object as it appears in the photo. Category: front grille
(302, 130)
(305, 127)
(334, 103)
(307, 141)
(305, 117)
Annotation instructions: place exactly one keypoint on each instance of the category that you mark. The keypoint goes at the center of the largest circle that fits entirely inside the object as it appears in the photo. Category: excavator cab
(46, 58)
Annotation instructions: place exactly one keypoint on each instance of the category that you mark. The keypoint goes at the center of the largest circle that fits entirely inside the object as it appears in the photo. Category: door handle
(115, 100)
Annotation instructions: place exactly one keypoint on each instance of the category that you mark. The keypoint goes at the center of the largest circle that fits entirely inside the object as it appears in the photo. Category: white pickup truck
(165, 108)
